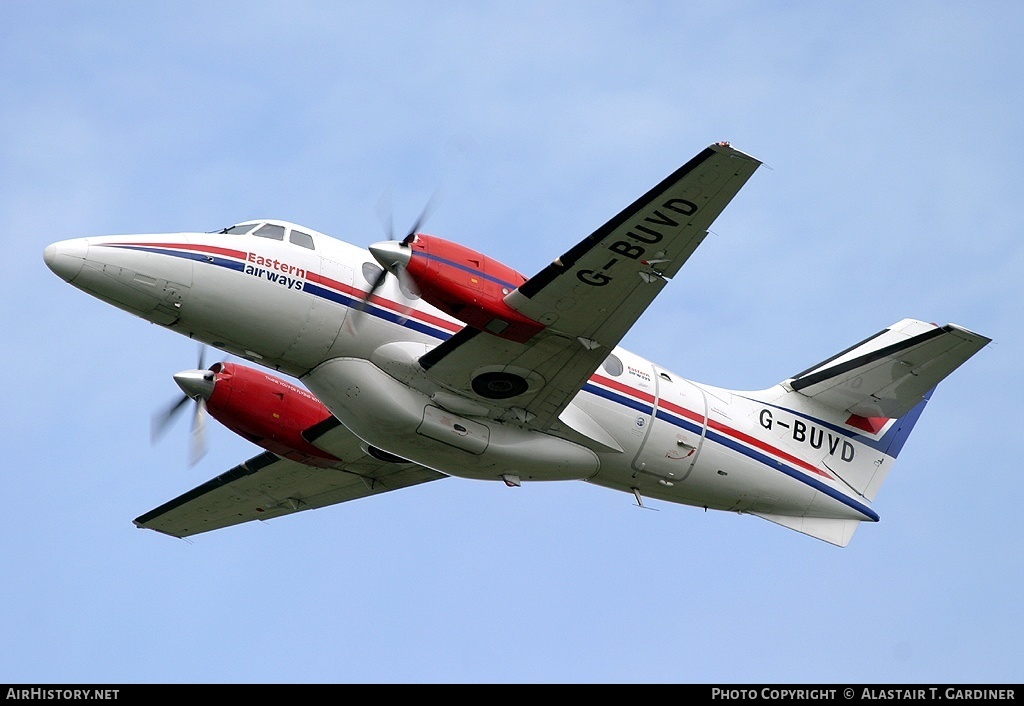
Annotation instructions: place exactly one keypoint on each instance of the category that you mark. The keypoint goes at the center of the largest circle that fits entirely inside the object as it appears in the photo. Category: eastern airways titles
(290, 276)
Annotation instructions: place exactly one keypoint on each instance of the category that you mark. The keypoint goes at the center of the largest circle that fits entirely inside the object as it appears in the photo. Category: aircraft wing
(268, 486)
(590, 297)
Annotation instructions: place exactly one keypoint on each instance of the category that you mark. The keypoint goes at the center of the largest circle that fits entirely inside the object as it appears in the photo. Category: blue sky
(891, 135)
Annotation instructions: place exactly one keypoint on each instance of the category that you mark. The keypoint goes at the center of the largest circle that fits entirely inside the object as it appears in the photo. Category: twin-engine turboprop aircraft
(426, 359)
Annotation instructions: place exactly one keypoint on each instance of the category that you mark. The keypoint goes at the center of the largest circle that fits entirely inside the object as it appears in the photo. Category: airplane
(419, 359)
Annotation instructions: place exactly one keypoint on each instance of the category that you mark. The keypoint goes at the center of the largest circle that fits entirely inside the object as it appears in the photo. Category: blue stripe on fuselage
(738, 447)
(379, 312)
(197, 257)
(617, 398)
(792, 473)
(307, 286)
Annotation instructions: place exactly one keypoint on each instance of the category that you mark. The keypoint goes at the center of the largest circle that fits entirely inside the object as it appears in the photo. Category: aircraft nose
(66, 257)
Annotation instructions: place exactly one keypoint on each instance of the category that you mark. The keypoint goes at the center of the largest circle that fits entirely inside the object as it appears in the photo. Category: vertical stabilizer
(873, 394)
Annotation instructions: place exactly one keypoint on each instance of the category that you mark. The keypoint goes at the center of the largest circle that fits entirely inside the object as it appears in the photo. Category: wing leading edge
(590, 297)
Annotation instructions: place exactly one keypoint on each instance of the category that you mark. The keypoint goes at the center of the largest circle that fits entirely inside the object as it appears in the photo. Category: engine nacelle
(468, 285)
(388, 414)
(268, 411)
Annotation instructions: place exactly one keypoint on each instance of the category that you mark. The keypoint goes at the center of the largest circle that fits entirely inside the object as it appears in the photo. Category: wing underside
(268, 486)
(588, 298)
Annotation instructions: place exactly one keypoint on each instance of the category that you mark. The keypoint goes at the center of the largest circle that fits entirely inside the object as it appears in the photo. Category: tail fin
(880, 387)
(866, 401)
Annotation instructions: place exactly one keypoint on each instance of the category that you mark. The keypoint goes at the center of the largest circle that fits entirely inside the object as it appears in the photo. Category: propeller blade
(198, 445)
(361, 306)
(386, 215)
(409, 288)
(405, 281)
(162, 420)
(197, 385)
(419, 221)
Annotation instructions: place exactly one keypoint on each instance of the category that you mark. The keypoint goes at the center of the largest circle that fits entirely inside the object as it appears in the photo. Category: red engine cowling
(469, 286)
(268, 411)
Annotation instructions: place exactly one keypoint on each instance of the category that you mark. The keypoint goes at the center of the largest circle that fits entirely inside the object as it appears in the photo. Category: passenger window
(613, 366)
(305, 240)
(270, 231)
(408, 288)
(372, 273)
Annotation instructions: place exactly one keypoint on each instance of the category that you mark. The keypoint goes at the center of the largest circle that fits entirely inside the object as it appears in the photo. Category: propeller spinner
(197, 385)
(394, 255)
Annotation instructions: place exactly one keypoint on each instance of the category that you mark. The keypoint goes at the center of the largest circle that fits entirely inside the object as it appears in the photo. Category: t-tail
(856, 410)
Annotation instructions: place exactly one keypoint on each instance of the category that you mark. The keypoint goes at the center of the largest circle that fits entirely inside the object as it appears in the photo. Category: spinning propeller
(393, 255)
(197, 385)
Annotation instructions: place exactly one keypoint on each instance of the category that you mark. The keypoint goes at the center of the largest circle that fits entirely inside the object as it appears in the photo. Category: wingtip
(968, 333)
(726, 147)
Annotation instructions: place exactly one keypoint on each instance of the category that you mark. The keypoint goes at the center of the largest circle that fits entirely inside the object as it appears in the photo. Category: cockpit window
(297, 237)
(238, 230)
(270, 231)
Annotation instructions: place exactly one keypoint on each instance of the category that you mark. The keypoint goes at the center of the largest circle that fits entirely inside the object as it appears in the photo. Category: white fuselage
(634, 427)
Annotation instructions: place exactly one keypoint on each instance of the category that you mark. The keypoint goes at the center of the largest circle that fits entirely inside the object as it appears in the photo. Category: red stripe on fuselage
(380, 301)
(625, 389)
(226, 252)
(712, 424)
(757, 443)
(314, 277)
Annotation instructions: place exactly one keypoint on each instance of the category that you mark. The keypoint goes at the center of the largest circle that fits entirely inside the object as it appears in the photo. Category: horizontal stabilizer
(890, 373)
(837, 532)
